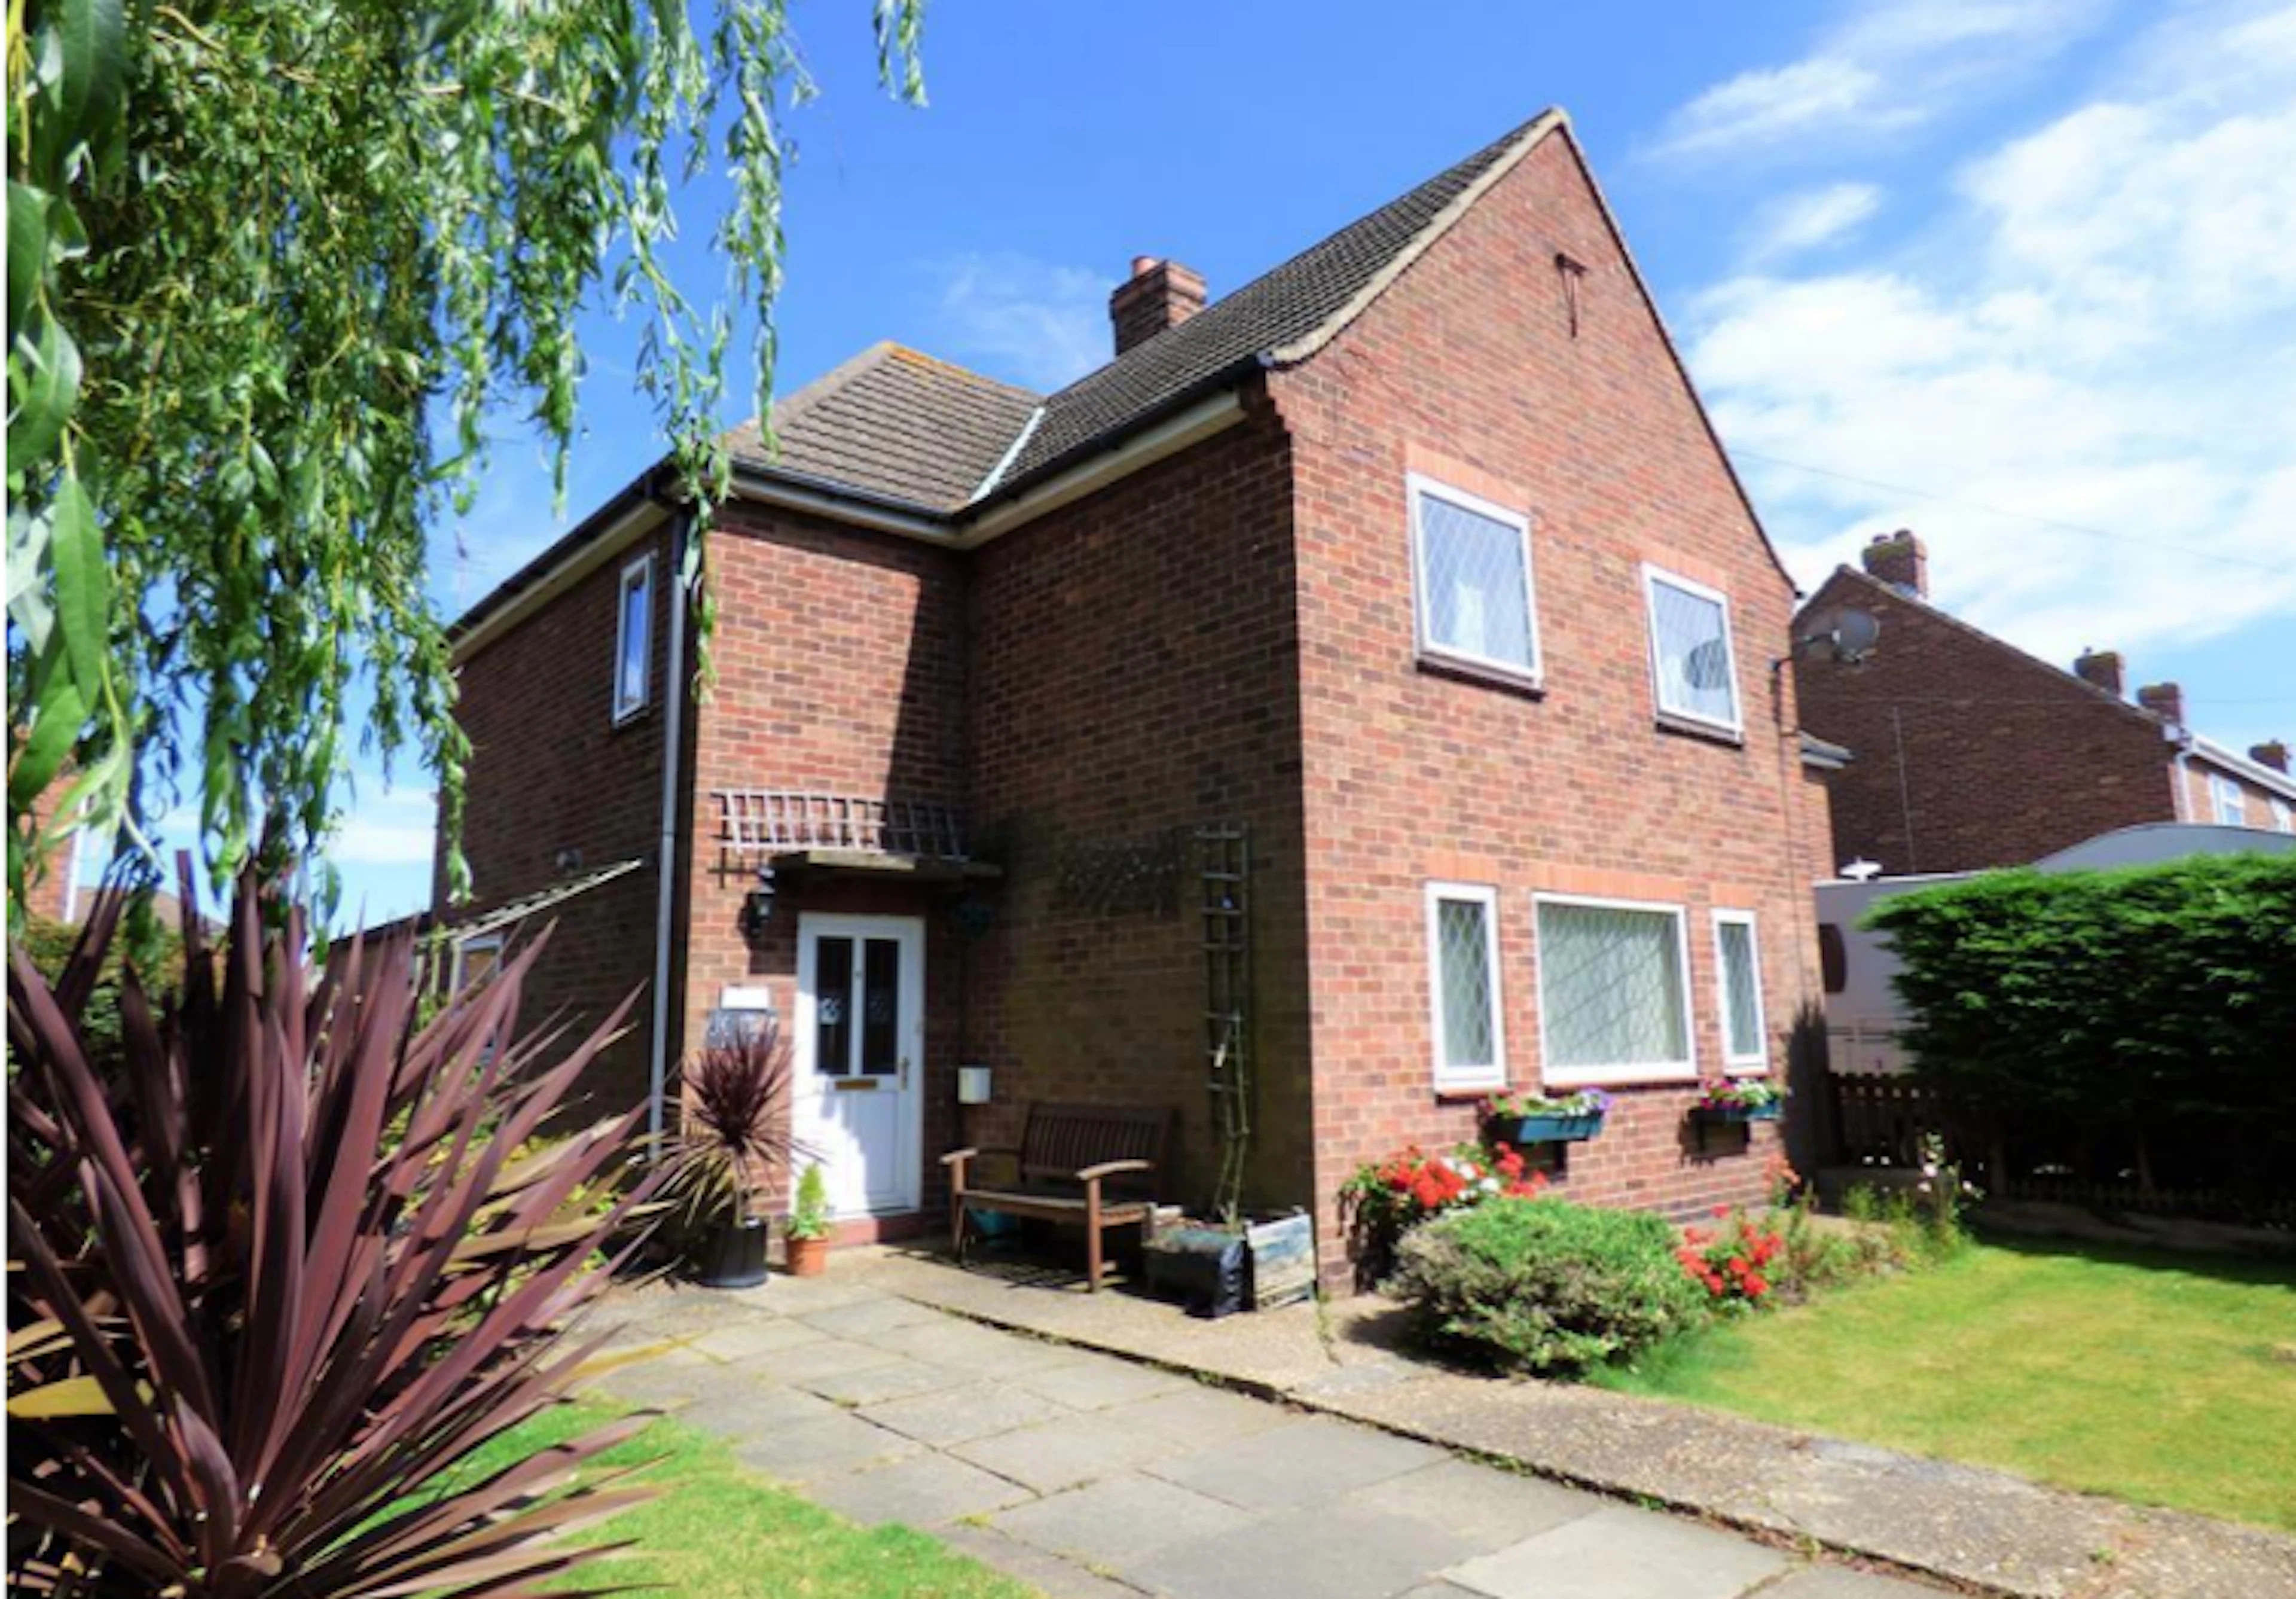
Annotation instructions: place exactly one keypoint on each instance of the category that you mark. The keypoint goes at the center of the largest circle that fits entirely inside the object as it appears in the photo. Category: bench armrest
(1108, 1169)
(975, 1152)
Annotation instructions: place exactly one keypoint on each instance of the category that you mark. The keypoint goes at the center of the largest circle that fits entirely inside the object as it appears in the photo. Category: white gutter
(641, 519)
(665, 849)
(762, 489)
(2240, 766)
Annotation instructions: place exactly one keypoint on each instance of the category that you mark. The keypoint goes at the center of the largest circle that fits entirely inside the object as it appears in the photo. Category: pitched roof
(1289, 304)
(894, 423)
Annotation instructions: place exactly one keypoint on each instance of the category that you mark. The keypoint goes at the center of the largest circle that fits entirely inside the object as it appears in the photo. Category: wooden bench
(1092, 1164)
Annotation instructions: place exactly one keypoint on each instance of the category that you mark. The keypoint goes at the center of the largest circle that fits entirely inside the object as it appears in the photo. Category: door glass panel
(881, 1019)
(832, 1006)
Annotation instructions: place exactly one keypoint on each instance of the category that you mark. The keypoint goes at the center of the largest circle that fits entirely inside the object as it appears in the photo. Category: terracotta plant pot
(807, 1257)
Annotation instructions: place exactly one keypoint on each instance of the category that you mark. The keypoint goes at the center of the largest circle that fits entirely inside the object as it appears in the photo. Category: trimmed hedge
(1544, 1285)
(2144, 1016)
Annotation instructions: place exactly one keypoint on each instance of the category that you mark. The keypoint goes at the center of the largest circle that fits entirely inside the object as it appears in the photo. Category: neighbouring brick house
(1971, 753)
(1414, 561)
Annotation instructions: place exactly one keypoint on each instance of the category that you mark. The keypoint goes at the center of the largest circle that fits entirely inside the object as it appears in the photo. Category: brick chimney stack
(1899, 560)
(2104, 668)
(1158, 295)
(2273, 754)
(2163, 700)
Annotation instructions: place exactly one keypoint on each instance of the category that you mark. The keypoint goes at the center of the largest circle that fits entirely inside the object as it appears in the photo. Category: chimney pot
(1901, 561)
(2273, 753)
(2104, 668)
(2163, 700)
(1159, 294)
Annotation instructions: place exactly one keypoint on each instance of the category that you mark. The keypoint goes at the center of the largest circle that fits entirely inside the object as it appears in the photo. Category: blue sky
(2017, 274)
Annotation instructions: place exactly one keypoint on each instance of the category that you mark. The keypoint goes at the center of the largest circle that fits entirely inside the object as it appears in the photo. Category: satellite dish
(1844, 635)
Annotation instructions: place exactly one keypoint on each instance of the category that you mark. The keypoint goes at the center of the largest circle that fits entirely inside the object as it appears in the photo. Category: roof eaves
(1115, 438)
(2240, 766)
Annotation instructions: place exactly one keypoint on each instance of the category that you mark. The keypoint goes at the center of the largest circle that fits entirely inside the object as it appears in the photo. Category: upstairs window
(2231, 804)
(1463, 961)
(1691, 660)
(634, 640)
(1613, 992)
(2283, 820)
(1738, 968)
(1471, 570)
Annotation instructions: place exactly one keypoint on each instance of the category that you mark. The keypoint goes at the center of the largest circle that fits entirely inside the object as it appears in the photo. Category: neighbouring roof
(895, 422)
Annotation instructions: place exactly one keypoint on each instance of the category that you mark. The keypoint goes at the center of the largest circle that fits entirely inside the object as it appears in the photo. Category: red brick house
(1369, 674)
(1971, 753)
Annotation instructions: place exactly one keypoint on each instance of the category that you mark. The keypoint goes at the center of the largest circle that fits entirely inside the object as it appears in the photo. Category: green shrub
(2142, 1017)
(1544, 1285)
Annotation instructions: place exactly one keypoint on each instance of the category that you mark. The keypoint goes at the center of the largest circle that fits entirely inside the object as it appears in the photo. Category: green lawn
(717, 1529)
(2168, 1380)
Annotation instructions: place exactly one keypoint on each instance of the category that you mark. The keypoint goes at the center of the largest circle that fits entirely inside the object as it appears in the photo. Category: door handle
(904, 1071)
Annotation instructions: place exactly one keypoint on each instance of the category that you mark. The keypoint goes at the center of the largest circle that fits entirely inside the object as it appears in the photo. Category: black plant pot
(734, 1256)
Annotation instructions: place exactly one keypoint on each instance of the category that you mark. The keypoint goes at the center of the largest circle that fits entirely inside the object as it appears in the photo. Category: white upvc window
(1463, 978)
(634, 640)
(1471, 577)
(1738, 976)
(2231, 803)
(2283, 820)
(476, 959)
(1693, 669)
(1613, 991)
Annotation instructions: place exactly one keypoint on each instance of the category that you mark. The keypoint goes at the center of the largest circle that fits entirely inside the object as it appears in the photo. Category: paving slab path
(1095, 1477)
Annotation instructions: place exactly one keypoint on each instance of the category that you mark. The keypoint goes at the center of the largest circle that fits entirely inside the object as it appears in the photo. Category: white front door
(860, 1057)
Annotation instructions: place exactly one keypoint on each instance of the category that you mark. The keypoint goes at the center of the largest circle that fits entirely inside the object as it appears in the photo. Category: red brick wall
(552, 771)
(1968, 752)
(1135, 672)
(1466, 370)
(840, 669)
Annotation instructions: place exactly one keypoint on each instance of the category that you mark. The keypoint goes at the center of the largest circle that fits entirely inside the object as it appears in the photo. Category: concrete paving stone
(1067, 1451)
(806, 1361)
(758, 1335)
(662, 1379)
(864, 1318)
(1439, 1590)
(1120, 1521)
(1488, 1507)
(976, 1348)
(807, 1296)
(805, 1452)
(1198, 1413)
(956, 1415)
(1840, 1582)
(1363, 1555)
(1301, 1463)
(1621, 1553)
(923, 1490)
(875, 1385)
(742, 1411)
(1046, 1574)
(1098, 1381)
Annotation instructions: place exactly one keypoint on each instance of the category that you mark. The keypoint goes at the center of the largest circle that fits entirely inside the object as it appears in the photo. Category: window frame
(458, 976)
(1635, 1072)
(1653, 574)
(2222, 787)
(2283, 817)
(1418, 487)
(1451, 1078)
(1736, 1065)
(641, 567)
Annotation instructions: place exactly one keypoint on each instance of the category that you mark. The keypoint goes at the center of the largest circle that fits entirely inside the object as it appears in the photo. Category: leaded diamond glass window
(1474, 580)
(1690, 652)
(1463, 938)
(1612, 990)
(1741, 989)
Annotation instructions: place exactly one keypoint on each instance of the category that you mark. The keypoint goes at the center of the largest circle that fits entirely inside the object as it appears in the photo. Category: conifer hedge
(2140, 1022)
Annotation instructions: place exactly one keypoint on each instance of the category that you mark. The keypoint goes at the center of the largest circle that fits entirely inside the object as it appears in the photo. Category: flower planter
(807, 1257)
(1519, 1130)
(1734, 1115)
(735, 1256)
(1216, 1270)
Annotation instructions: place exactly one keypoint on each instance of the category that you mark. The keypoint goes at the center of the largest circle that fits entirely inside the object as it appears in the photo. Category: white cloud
(395, 828)
(1036, 323)
(1812, 217)
(2099, 330)
(1887, 66)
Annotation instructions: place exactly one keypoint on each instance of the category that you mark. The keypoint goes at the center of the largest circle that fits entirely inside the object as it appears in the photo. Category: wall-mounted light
(973, 1083)
(757, 905)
